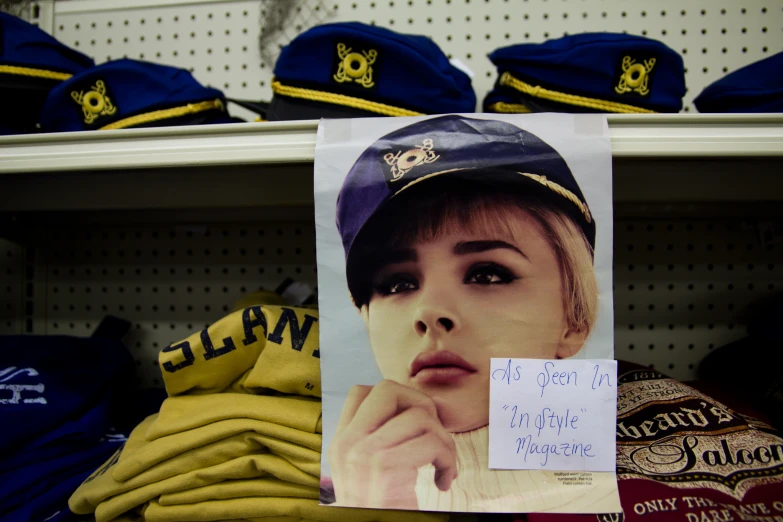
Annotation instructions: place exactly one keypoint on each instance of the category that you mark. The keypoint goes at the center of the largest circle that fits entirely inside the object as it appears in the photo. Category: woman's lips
(441, 367)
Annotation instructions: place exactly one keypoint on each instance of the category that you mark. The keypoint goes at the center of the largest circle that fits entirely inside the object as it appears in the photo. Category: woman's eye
(489, 274)
(396, 284)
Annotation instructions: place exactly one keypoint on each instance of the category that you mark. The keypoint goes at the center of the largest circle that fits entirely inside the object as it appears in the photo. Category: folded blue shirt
(46, 381)
(74, 435)
(31, 483)
(41, 493)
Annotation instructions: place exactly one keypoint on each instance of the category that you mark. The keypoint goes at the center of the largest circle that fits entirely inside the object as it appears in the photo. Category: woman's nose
(435, 322)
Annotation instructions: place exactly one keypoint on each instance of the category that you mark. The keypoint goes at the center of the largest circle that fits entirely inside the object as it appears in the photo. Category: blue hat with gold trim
(757, 87)
(469, 152)
(128, 93)
(31, 64)
(353, 70)
(590, 72)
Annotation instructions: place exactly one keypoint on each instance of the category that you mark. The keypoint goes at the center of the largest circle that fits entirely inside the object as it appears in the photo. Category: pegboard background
(682, 287)
(169, 280)
(12, 288)
(219, 40)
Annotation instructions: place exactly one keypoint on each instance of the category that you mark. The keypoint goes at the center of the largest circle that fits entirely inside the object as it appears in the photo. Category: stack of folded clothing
(684, 456)
(56, 401)
(238, 437)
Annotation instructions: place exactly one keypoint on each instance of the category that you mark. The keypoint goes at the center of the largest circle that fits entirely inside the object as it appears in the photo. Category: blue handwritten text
(527, 448)
(546, 378)
(506, 373)
(598, 379)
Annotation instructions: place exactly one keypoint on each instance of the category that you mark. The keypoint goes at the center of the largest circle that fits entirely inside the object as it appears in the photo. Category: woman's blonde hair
(433, 210)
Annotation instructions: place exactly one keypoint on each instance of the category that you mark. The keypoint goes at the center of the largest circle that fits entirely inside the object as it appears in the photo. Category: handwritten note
(557, 415)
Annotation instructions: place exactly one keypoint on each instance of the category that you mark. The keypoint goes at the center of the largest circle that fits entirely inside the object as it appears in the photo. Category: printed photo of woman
(465, 239)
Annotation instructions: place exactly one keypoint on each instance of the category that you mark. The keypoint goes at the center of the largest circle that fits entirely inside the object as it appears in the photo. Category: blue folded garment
(39, 494)
(46, 381)
(74, 435)
(57, 393)
(30, 483)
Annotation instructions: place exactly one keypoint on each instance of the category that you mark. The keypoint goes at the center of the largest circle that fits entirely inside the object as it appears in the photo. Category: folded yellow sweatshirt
(130, 517)
(178, 414)
(192, 431)
(263, 487)
(103, 485)
(172, 445)
(250, 466)
(266, 349)
(256, 508)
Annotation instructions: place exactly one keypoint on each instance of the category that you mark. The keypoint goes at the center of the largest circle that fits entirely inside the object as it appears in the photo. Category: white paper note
(557, 415)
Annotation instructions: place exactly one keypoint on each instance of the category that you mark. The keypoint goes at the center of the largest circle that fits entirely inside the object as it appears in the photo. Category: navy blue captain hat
(757, 87)
(31, 63)
(491, 152)
(126, 93)
(353, 70)
(589, 72)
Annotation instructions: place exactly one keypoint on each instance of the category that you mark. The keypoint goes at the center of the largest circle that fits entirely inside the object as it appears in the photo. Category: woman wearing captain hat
(465, 239)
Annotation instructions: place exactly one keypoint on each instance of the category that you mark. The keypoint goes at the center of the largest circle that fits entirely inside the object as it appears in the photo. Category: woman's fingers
(423, 450)
(386, 400)
(385, 434)
(355, 397)
(410, 424)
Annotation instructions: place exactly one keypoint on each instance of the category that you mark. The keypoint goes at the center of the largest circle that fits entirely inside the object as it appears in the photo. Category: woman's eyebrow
(473, 247)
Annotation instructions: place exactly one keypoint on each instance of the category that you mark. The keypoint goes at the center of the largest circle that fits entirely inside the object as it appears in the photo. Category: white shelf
(696, 135)
(659, 158)
(647, 136)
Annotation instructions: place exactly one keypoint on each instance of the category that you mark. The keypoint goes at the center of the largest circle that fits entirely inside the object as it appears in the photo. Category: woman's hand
(386, 432)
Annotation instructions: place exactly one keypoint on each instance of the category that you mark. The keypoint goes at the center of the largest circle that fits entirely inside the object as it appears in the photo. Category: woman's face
(441, 309)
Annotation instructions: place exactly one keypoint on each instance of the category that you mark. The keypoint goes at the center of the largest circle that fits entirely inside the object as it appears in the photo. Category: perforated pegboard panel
(169, 280)
(681, 286)
(12, 286)
(218, 40)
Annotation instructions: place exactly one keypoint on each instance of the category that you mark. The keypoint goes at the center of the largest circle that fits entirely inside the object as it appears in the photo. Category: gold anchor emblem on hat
(95, 102)
(635, 76)
(355, 67)
(402, 162)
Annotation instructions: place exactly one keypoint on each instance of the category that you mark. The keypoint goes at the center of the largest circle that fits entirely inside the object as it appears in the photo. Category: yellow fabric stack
(238, 438)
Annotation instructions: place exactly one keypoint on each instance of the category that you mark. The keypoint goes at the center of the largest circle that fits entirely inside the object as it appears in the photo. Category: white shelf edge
(632, 136)
(101, 6)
